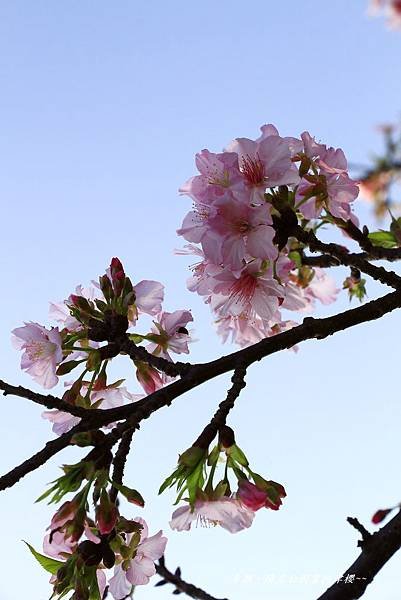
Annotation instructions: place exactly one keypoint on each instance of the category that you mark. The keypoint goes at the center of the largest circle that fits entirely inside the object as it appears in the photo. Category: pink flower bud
(250, 495)
(66, 512)
(106, 514)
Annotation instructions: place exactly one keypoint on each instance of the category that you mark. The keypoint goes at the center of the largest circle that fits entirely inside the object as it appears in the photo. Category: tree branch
(49, 401)
(350, 260)
(377, 549)
(180, 585)
(220, 416)
(119, 462)
(200, 373)
(37, 460)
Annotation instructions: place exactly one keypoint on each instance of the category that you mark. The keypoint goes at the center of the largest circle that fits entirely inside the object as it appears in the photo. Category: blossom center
(253, 169)
(244, 288)
(38, 350)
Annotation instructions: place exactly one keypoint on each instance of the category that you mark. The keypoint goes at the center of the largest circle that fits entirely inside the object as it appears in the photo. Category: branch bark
(377, 549)
(182, 586)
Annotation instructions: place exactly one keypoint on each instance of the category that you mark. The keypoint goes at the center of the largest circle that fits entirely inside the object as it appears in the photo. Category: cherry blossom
(104, 397)
(41, 352)
(139, 569)
(170, 333)
(227, 512)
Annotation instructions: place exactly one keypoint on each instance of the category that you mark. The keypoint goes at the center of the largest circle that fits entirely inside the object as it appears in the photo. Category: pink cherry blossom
(265, 162)
(322, 287)
(108, 397)
(149, 296)
(42, 352)
(238, 229)
(219, 176)
(229, 513)
(59, 547)
(139, 569)
(170, 333)
(59, 311)
(250, 292)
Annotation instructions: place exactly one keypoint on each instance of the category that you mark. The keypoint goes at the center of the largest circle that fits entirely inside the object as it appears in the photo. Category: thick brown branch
(175, 578)
(377, 549)
(49, 401)
(198, 374)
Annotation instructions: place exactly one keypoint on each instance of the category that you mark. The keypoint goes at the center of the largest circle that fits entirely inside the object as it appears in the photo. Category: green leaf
(49, 564)
(385, 239)
(213, 456)
(67, 367)
(136, 338)
(236, 454)
(168, 482)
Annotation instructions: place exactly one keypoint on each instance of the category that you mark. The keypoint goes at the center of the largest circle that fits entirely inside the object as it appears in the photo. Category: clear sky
(102, 108)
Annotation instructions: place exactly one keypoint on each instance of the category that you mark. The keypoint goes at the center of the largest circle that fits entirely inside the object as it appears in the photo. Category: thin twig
(182, 586)
(376, 552)
(49, 401)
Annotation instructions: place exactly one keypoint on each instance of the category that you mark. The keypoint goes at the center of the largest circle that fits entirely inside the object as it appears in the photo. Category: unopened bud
(226, 436)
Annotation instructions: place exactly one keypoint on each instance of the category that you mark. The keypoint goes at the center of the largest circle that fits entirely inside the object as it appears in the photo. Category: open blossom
(331, 185)
(229, 513)
(149, 296)
(139, 569)
(60, 312)
(170, 333)
(250, 292)
(107, 397)
(41, 352)
(265, 162)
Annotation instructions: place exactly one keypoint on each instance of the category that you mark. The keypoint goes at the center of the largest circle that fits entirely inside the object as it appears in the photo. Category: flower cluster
(78, 549)
(247, 202)
(216, 504)
(102, 313)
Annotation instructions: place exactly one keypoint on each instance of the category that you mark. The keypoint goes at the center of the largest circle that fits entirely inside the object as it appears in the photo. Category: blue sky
(102, 108)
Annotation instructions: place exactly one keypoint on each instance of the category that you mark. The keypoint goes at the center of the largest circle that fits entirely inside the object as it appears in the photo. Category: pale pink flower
(59, 547)
(219, 175)
(250, 292)
(141, 568)
(229, 513)
(42, 352)
(149, 296)
(60, 312)
(110, 397)
(170, 332)
(237, 229)
(266, 162)
(322, 287)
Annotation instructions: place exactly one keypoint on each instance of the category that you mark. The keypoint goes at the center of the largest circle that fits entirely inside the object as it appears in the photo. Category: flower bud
(226, 436)
(106, 514)
(380, 515)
